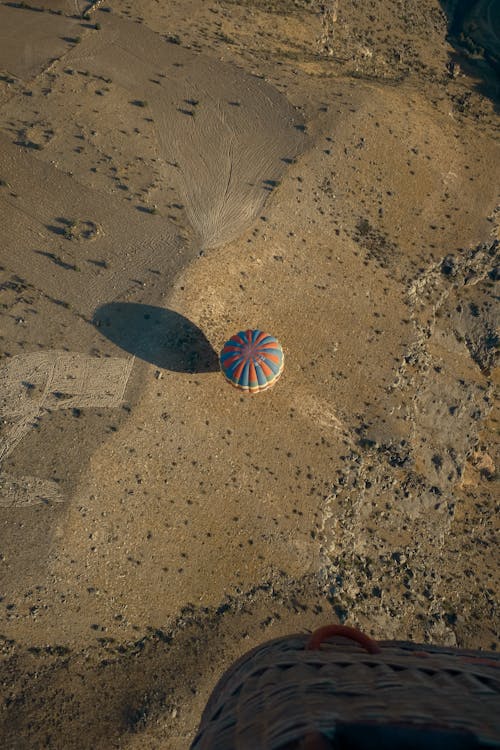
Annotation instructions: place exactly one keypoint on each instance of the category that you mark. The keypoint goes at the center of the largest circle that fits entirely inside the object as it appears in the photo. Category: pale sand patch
(34, 383)
(79, 247)
(21, 492)
(61, 380)
(30, 40)
(218, 140)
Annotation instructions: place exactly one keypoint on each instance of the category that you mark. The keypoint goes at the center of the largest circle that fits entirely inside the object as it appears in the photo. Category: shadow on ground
(474, 32)
(157, 335)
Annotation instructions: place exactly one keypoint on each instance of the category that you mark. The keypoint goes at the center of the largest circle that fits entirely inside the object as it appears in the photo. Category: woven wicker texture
(405, 696)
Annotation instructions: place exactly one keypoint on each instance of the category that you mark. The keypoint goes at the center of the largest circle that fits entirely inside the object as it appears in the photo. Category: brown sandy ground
(155, 523)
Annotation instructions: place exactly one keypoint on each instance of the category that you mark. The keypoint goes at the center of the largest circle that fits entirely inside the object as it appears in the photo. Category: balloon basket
(286, 694)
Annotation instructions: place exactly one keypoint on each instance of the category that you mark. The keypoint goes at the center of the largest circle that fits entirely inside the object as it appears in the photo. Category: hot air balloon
(252, 360)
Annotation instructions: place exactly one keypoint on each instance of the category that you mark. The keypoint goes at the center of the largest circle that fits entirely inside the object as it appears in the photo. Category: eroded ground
(169, 174)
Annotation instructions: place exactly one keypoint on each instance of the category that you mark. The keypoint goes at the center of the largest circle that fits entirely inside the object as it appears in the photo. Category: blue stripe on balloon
(261, 378)
(243, 379)
(265, 352)
(230, 371)
(273, 366)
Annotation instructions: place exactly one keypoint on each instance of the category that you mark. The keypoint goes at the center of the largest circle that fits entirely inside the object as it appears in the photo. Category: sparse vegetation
(76, 229)
(26, 6)
(67, 233)
(225, 38)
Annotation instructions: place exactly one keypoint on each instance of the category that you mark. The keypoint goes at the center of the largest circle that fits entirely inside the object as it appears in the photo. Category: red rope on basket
(327, 631)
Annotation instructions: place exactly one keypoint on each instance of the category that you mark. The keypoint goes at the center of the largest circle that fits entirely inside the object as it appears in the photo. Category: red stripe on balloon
(266, 369)
(237, 371)
(231, 360)
(273, 358)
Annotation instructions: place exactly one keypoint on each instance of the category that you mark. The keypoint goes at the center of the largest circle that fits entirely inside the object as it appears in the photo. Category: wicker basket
(301, 692)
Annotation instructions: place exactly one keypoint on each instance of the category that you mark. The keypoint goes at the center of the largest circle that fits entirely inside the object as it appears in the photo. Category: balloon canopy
(252, 360)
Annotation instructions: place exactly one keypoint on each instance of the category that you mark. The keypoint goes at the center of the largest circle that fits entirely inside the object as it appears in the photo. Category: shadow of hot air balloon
(157, 335)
